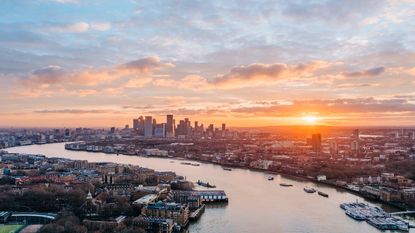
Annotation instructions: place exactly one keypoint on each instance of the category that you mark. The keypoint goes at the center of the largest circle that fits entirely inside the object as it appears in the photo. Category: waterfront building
(154, 224)
(205, 195)
(155, 152)
(177, 212)
(193, 200)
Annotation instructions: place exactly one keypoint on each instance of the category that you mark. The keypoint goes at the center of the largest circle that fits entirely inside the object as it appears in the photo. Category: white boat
(309, 190)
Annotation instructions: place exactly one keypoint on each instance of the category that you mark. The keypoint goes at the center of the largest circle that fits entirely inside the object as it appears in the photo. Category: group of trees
(42, 200)
(404, 168)
(65, 224)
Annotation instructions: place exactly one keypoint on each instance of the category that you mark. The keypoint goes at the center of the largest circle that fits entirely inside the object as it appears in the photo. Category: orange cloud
(370, 72)
(258, 73)
(50, 78)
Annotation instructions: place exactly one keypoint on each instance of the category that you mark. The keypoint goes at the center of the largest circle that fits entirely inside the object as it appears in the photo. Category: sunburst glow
(310, 119)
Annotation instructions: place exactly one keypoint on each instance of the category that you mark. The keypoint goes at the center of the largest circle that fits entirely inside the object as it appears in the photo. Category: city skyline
(268, 63)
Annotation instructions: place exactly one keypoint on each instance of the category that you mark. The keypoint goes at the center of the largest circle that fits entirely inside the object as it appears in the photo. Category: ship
(322, 194)
(270, 178)
(205, 184)
(309, 190)
(286, 185)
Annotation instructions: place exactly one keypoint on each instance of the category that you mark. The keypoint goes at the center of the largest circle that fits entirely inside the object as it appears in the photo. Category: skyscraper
(160, 130)
(316, 142)
(135, 124)
(148, 126)
(169, 126)
(356, 134)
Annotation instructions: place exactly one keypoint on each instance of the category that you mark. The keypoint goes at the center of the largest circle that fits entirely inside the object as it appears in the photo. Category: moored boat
(286, 185)
(205, 184)
(309, 190)
(322, 194)
(270, 178)
(227, 169)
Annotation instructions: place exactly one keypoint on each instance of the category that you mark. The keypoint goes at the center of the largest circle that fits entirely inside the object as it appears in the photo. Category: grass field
(10, 228)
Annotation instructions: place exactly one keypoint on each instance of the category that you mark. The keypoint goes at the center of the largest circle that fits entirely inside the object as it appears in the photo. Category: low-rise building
(154, 224)
(177, 212)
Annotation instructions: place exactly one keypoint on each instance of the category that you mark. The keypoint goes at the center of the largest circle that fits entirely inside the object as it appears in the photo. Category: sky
(101, 63)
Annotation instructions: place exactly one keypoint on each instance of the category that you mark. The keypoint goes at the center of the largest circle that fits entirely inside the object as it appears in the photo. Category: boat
(286, 185)
(171, 161)
(322, 194)
(205, 184)
(309, 190)
(227, 169)
(195, 164)
(270, 178)
(355, 215)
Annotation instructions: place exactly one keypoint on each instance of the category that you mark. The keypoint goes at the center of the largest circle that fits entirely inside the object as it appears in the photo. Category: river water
(255, 204)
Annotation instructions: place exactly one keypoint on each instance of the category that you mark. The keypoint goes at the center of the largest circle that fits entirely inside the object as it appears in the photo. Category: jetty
(375, 216)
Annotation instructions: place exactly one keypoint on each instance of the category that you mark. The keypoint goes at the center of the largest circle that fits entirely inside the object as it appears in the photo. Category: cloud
(259, 73)
(45, 77)
(366, 73)
(103, 26)
(137, 107)
(353, 85)
(52, 78)
(144, 65)
(328, 107)
(332, 11)
(80, 27)
(65, 1)
(72, 111)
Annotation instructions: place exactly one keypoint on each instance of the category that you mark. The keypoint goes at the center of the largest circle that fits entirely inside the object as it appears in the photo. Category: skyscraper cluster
(148, 127)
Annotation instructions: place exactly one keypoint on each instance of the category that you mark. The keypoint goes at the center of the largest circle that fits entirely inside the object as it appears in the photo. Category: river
(255, 204)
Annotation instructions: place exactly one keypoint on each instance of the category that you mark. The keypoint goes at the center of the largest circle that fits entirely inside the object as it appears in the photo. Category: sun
(310, 119)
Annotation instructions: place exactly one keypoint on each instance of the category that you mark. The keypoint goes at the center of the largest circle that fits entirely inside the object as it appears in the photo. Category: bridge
(403, 212)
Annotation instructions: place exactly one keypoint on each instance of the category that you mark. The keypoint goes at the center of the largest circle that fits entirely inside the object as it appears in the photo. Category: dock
(375, 216)
(195, 215)
(403, 212)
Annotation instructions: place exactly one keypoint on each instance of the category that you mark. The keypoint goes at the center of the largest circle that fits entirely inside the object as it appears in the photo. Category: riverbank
(257, 205)
(289, 175)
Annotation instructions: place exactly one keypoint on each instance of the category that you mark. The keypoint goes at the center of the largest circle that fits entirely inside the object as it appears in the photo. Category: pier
(375, 216)
(403, 212)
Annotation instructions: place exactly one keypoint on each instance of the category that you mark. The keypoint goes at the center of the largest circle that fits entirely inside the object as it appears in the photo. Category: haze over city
(222, 116)
(70, 63)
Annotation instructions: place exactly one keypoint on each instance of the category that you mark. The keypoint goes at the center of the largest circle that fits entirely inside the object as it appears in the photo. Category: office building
(148, 126)
(160, 130)
(356, 134)
(316, 142)
(169, 126)
(177, 212)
